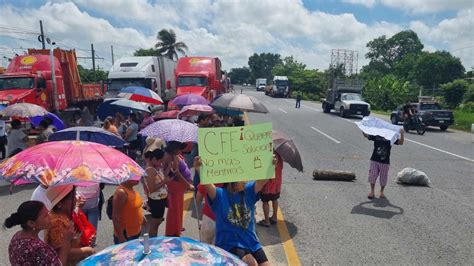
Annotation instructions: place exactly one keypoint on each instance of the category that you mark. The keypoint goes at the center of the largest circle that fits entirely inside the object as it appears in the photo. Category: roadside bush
(467, 107)
(469, 94)
(454, 92)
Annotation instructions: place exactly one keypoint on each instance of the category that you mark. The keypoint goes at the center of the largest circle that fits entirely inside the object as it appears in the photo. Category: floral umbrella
(66, 162)
(163, 251)
(23, 110)
(172, 130)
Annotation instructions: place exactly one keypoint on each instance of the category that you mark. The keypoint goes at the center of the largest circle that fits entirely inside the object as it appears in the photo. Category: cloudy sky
(235, 29)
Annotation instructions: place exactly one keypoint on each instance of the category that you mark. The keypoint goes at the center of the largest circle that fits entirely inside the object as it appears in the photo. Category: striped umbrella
(140, 94)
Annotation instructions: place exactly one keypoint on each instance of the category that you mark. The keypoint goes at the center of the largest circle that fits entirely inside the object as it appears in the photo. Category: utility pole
(112, 51)
(93, 60)
(41, 37)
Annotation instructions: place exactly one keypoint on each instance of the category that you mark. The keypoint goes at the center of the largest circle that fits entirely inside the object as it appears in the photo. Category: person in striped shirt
(380, 162)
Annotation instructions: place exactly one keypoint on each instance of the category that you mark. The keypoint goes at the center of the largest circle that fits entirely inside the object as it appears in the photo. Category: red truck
(199, 75)
(30, 79)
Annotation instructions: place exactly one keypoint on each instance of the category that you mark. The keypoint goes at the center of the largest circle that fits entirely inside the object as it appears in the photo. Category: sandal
(273, 221)
(262, 223)
(370, 196)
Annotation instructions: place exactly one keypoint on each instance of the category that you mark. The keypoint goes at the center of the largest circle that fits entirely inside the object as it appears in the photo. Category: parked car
(431, 114)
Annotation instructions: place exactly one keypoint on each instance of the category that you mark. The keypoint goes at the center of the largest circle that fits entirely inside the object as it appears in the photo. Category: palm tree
(168, 46)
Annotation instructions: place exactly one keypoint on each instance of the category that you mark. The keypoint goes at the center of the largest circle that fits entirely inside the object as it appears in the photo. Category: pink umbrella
(195, 109)
(173, 114)
(66, 162)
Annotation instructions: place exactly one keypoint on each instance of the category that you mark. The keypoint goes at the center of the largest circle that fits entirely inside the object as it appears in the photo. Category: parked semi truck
(280, 87)
(199, 75)
(153, 72)
(49, 78)
(260, 84)
(345, 97)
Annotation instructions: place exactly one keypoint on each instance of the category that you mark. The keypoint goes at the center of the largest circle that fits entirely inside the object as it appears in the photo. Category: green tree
(388, 92)
(454, 92)
(433, 69)
(385, 54)
(88, 76)
(261, 65)
(168, 46)
(145, 52)
(239, 75)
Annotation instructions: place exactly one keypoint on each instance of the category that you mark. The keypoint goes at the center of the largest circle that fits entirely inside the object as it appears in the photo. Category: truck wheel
(443, 127)
(342, 113)
(394, 120)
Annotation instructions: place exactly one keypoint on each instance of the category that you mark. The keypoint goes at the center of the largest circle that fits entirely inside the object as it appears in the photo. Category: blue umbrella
(57, 122)
(106, 109)
(163, 251)
(92, 134)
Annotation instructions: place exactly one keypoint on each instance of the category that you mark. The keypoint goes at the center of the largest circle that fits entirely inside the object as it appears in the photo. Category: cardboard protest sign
(231, 154)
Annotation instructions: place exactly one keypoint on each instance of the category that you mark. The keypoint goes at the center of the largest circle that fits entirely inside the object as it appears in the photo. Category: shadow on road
(269, 236)
(5, 190)
(374, 208)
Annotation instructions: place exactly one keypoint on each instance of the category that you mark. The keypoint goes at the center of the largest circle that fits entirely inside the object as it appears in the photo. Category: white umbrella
(239, 102)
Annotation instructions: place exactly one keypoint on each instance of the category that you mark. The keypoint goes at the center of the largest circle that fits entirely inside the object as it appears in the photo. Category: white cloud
(230, 30)
(367, 3)
(454, 34)
(428, 6)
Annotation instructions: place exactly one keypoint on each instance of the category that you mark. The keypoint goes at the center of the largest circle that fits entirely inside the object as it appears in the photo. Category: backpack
(110, 207)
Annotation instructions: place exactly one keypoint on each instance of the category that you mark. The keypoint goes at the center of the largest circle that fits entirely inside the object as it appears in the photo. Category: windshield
(431, 106)
(118, 84)
(281, 82)
(16, 83)
(352, 97)
(192, 81)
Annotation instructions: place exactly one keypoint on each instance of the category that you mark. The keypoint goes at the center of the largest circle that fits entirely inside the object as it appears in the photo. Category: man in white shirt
(17, 139)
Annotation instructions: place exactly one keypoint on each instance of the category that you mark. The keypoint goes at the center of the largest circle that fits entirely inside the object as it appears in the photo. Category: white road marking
(283, 110)
(326, 135)
(430, 147)
(440, 150)
(315, 109)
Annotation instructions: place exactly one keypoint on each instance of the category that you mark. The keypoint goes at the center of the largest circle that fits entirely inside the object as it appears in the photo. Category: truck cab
(351, 104)
(199, 75)
(152, 72)
(260, 84)
(280, 87)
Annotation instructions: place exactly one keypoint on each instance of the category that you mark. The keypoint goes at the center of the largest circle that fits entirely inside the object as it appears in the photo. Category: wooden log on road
(333, 175)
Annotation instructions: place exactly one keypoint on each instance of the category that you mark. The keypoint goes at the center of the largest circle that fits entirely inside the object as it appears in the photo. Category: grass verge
(463, 120)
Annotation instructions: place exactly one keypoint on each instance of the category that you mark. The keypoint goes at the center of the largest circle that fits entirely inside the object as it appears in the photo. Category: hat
(57, 193)
(153, 144)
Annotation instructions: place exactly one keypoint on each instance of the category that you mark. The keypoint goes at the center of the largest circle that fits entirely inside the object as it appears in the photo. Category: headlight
(421, 118)
(287, 88)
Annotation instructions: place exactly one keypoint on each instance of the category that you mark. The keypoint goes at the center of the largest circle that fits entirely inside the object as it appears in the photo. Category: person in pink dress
(271, 192)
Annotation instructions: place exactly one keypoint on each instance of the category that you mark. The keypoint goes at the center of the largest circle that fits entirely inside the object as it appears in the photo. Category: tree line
(398, 71)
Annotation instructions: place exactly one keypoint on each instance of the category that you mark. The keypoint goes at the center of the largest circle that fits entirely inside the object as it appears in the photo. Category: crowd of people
(51, 225)
(59, 224)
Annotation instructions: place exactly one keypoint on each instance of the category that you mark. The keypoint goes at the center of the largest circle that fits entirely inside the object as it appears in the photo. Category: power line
(462, 48)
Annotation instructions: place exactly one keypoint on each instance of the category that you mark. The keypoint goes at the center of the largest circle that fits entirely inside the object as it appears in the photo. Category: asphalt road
(335, 223)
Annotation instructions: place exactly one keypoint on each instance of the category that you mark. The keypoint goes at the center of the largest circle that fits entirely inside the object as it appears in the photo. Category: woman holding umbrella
(180, 174)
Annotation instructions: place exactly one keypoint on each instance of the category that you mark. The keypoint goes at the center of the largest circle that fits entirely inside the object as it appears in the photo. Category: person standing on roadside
(380, 161)
(298, 100)
(16, 139)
